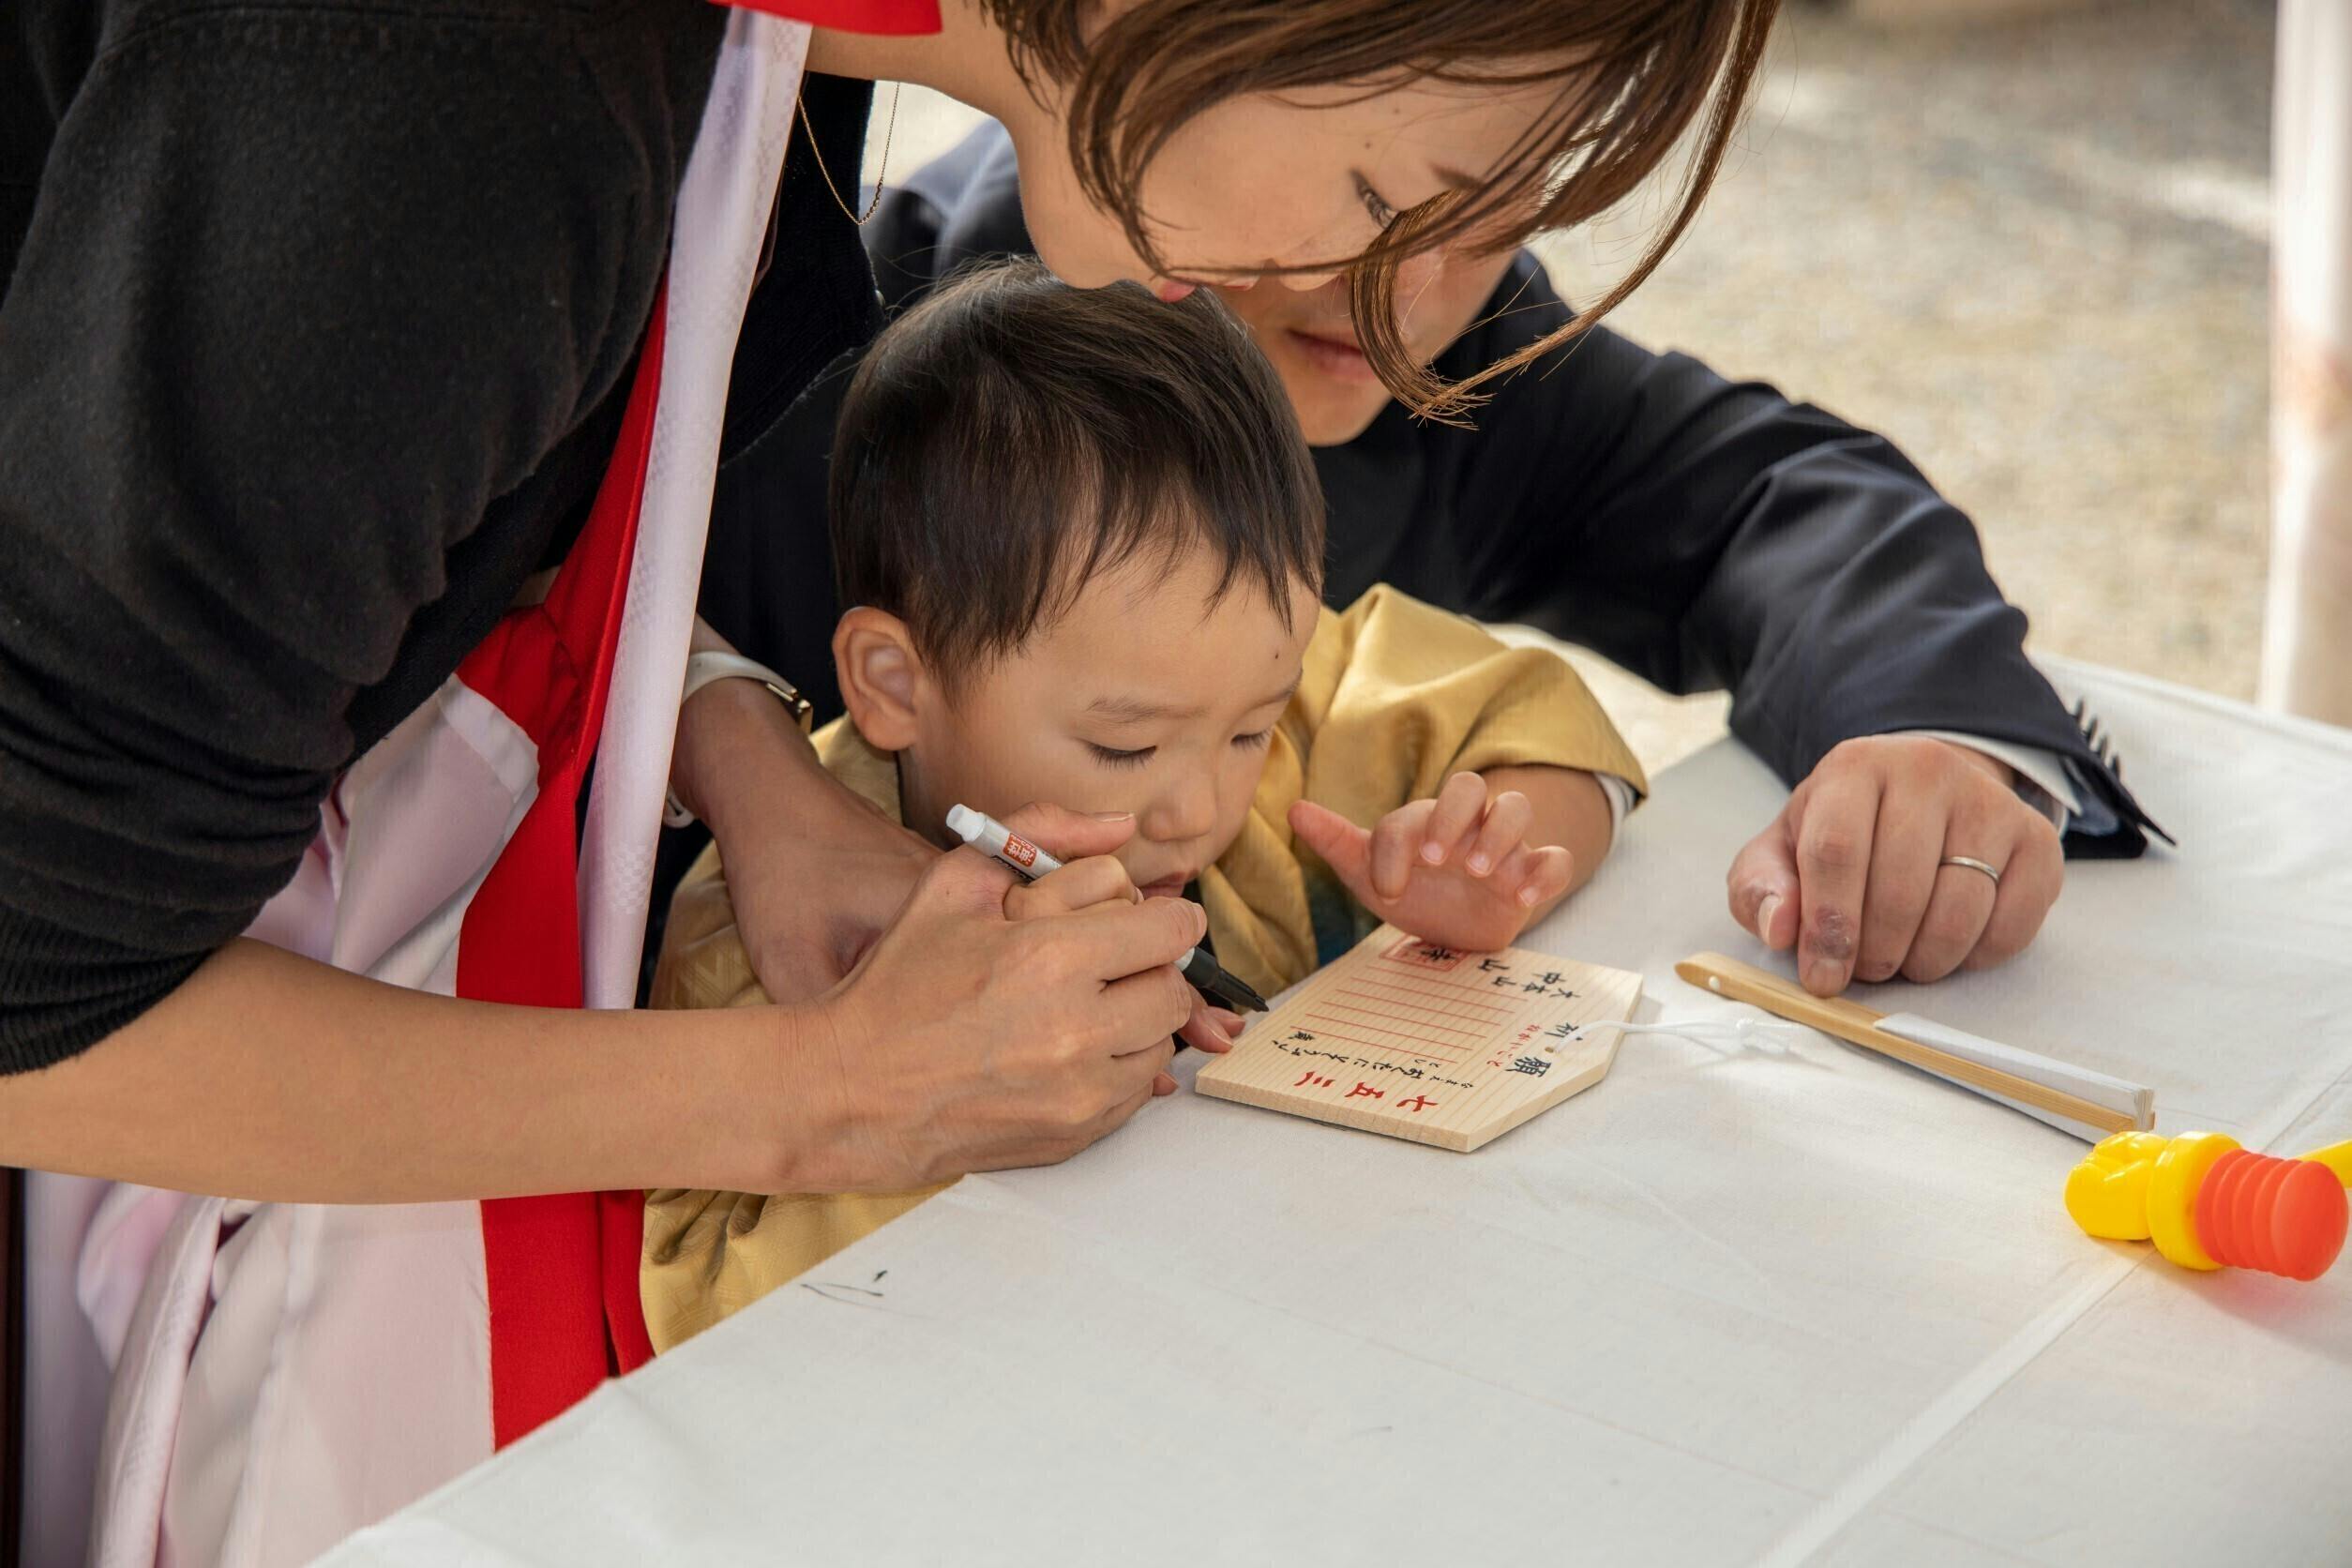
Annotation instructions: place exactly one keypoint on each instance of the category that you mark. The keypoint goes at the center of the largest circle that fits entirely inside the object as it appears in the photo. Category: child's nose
(1188, 811)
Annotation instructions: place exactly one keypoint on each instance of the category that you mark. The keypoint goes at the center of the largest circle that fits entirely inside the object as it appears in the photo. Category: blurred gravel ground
(2030, 250)
(2034, 253)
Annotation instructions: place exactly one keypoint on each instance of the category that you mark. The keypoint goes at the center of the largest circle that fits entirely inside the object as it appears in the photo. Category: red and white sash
(285, 1374)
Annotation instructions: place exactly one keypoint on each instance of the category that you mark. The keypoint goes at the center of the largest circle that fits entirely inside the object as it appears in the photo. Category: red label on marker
(1020, 850)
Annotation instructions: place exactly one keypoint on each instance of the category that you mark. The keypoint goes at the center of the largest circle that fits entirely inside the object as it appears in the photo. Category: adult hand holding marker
(1199, 969)
(970, 1038)
(1049, 887)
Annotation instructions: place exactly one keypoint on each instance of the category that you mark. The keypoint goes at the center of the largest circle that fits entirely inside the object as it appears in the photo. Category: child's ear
(882, 680)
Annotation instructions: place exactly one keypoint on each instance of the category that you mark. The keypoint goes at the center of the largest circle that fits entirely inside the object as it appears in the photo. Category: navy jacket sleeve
(1708, 533)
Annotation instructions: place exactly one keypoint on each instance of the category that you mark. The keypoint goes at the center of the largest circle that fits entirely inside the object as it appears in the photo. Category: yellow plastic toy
(2208, 1203)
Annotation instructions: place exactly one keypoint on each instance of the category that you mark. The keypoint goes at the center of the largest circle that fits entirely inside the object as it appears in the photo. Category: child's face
(1139, 698)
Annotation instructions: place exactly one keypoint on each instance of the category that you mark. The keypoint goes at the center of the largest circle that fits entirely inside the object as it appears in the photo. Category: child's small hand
(1456, 870)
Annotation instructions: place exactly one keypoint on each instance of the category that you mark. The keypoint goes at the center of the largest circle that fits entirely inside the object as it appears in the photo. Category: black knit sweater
(318, 322)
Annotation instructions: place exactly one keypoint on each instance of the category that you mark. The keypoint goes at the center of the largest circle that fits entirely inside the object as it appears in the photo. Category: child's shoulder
(1386, 635)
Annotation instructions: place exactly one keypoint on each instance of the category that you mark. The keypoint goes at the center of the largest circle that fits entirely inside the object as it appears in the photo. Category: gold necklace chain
(890, 130)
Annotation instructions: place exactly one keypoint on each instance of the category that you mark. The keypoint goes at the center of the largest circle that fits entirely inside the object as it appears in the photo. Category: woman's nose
(1417, 272)
(1305, 282)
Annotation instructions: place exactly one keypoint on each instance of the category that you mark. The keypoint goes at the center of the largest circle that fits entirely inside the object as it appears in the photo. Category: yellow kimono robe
(1395, 697)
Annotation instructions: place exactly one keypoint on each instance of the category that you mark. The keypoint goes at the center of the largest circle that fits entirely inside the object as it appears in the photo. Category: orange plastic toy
(2209, 1204)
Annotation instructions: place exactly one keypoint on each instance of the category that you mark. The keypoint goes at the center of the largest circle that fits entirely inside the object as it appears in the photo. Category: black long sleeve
(1711, 535)
(314, 337)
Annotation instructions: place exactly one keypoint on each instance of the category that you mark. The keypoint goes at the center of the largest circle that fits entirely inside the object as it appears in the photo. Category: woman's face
(1263, 181)
(1309, 335)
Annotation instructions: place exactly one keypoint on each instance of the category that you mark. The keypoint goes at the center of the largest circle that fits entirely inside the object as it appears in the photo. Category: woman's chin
(1334, 416)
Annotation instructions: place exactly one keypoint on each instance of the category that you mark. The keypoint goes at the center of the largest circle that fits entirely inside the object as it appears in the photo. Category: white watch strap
(713, 665)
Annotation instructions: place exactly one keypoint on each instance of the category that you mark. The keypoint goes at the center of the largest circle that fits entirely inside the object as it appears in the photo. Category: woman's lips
(1337, 357)
(1171, 290)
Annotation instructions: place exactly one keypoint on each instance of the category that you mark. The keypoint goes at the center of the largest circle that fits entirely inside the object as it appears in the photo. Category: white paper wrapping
(2134, 1100)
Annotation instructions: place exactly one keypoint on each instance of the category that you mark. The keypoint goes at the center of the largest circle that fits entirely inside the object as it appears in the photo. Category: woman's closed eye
(1382, 213)
(1112, 757)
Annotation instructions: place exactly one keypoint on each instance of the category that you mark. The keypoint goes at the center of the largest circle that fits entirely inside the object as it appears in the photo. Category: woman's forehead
(1458, 129)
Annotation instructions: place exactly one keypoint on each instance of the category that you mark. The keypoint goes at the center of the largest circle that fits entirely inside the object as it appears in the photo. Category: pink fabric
(274, 1347)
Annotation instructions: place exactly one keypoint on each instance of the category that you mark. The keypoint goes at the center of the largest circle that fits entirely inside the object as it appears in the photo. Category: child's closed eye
(1253, 741)
(1109, 757)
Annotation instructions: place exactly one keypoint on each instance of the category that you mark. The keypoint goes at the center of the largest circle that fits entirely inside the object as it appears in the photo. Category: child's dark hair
(1011, 436)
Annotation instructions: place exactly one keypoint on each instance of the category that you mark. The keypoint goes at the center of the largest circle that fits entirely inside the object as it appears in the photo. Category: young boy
(1083, 541)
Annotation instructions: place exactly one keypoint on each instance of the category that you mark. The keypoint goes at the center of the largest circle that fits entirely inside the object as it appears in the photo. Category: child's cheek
(1236, 793)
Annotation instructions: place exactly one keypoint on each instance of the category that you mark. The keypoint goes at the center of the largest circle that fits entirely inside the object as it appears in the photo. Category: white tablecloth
(1773, 1308)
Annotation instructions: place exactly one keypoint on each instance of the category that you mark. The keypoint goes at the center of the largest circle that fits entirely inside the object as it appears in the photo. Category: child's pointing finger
(1344, 847)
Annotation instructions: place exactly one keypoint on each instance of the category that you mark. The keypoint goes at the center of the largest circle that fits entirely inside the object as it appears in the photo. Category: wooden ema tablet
(1428, 1043)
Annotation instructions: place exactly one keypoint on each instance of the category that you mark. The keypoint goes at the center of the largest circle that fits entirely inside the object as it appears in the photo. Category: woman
(325, 330)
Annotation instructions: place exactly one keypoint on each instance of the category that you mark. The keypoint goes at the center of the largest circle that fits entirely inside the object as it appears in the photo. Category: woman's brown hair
(1635, 75)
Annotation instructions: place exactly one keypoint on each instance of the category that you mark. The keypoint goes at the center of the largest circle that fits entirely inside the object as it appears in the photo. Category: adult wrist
(781, 1100)
(736, 745)
(705, 666)
(1987, 762)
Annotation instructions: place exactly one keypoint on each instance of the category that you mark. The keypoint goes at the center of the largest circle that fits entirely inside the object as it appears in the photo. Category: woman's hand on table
(966, 1040)
(1851, 873)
